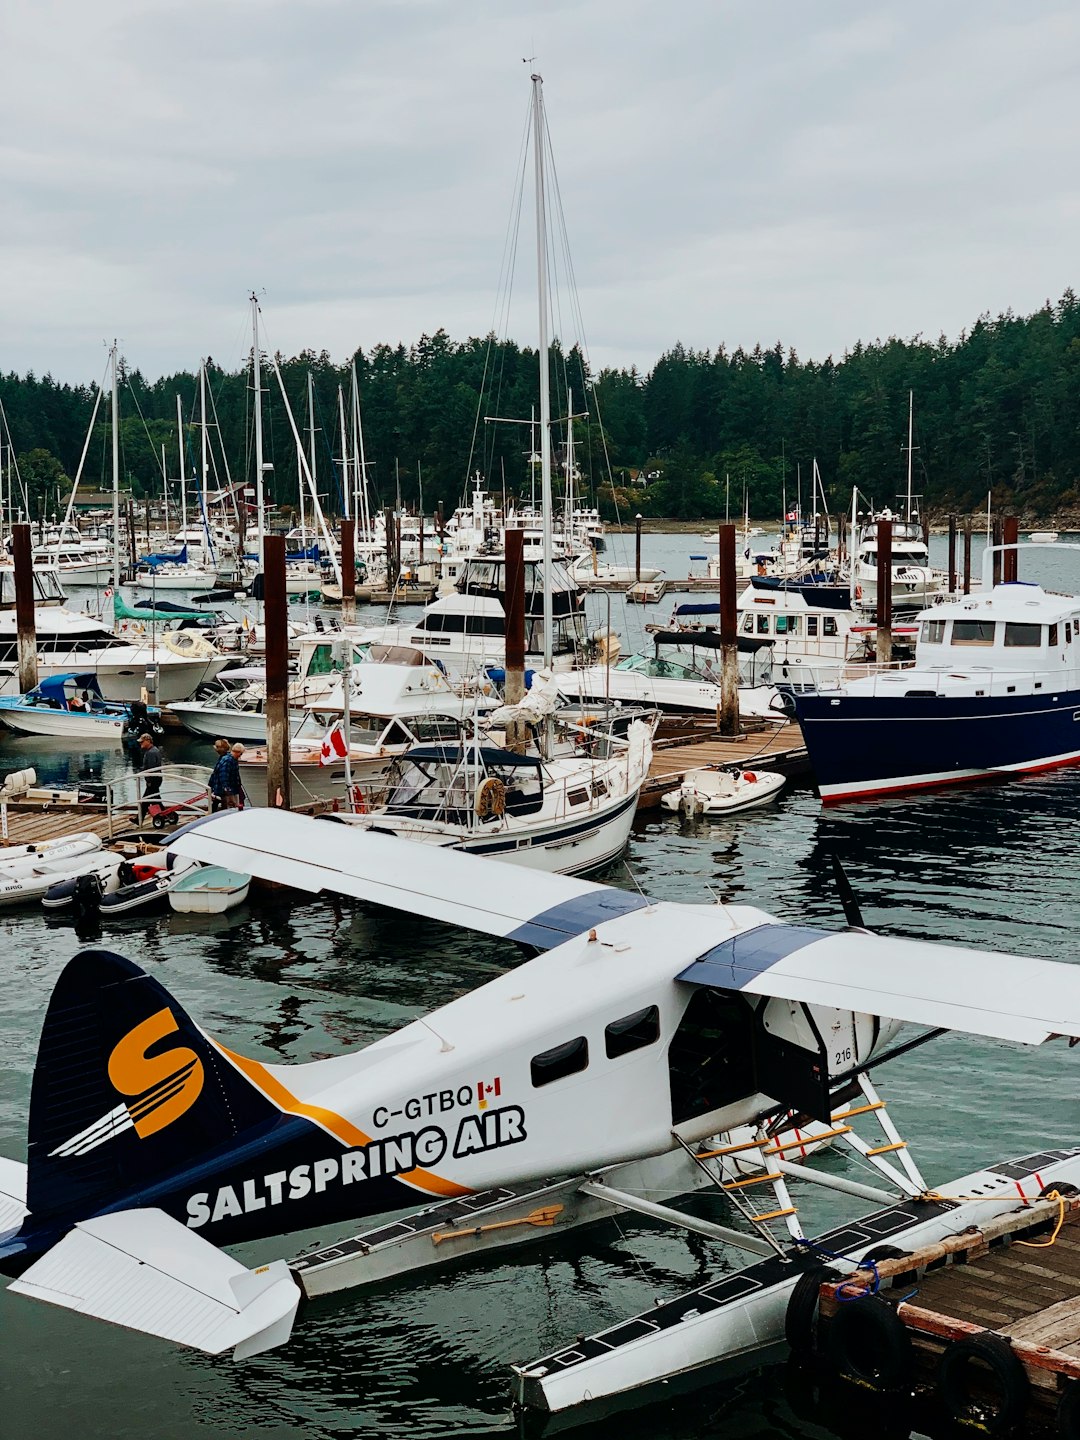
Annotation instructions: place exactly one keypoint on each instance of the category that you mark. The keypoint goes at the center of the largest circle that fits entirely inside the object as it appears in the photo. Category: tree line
(997, 409)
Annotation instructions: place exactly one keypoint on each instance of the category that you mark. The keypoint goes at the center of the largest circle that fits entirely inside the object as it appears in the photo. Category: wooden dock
(30, 824)
(988, 1320)
(766, 746)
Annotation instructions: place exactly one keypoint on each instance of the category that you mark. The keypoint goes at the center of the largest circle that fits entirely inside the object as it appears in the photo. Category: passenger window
(830, 625)
(1022, 636)
(1068, 633)
(763, 624)
(933, 632)
(578, 797)
(562, 1060)
(1053, 635)
(973, 632)
(811, 624)
(632, 1032)
(781, 624)
(748, 624)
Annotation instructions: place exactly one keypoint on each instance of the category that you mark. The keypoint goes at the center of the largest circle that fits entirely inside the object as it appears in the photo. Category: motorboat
(994, 692)
(209, 890)
(723, 790)
(1043, 537)
(915, 583)
(566, 814)
(70, 706)
(682, 676)
(588, 567)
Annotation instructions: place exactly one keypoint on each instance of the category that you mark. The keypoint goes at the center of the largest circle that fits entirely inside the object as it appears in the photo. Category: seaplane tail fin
(978, 991)
(127, 1093)
(144, 1270)
(529, 906)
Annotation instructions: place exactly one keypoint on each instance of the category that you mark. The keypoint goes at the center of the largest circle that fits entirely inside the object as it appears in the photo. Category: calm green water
(994, 866)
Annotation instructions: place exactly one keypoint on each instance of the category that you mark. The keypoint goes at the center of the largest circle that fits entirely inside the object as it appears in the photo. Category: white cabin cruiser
(915, 584)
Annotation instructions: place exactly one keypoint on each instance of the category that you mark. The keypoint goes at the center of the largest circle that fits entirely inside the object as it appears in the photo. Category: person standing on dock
(238, 755)
(149, 761)
(224, 784)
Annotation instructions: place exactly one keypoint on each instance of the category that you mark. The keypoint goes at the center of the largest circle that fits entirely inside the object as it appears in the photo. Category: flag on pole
(334, 745)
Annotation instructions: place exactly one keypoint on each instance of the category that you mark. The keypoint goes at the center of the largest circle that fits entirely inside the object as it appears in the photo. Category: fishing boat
(723, 790)
(71, 706)
(209, 890)
(994, 692)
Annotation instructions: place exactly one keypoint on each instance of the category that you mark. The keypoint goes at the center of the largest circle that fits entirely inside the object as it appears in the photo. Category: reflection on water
(993, 866)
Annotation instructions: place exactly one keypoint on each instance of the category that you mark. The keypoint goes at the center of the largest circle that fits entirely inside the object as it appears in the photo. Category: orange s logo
(163, 1087)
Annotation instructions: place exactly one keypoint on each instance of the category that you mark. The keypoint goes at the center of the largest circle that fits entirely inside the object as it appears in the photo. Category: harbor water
(995, 866)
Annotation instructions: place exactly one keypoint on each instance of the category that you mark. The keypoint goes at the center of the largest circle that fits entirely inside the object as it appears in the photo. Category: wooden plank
(947, 1327)
(1057, 1325)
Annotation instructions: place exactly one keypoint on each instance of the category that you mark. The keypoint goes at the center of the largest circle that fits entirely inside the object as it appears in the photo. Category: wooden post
(391, 573)
(995, 539)
(1010, 567)
(952, 554)
(24, 607)
(884, 592)
(729, 639)
(276, 611)
(967, 556)
(132, 547)
(348, 572)
(517, 734)
(637, 549)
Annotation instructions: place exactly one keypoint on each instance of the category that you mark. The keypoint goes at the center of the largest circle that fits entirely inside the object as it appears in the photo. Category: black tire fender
(985, 1352)
(1067, 1415)
(800, 1318)
(868, 1345)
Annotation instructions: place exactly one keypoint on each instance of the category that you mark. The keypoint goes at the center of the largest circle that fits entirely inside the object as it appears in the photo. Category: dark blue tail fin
(127, 1090)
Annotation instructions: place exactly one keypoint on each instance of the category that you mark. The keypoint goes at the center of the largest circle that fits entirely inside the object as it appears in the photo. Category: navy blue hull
(870, 745)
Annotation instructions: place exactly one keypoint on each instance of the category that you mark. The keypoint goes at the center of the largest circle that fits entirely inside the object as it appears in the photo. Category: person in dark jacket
(224, 783)
(150, 759)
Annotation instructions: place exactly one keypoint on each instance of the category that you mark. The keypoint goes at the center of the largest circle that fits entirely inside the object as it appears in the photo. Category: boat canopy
(154, 561)
(163, 610)
(706, 640)
(52, 688)
(487, 755)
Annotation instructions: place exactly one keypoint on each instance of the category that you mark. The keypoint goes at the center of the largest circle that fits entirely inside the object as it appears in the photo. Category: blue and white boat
(68, 705)
(994, 691)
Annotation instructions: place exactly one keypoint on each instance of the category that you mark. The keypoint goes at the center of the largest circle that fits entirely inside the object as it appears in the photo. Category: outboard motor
(86, 898)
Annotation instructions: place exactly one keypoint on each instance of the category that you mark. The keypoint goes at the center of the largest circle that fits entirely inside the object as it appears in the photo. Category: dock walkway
(772, 747)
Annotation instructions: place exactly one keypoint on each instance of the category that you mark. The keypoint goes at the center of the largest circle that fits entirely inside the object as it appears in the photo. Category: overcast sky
(731, 172)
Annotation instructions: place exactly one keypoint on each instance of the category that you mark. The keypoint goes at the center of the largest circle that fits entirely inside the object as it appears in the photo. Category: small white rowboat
(209, 890)
(715, 791)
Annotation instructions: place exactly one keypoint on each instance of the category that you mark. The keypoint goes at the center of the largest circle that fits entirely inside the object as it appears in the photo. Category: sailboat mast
(203, 503)
(910, 430)
(545, 396)
(115, 474)
(363, 508)
(256, 367)
(183, 464)
(346, 467)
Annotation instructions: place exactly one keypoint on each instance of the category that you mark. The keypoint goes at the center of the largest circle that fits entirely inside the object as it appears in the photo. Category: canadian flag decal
(487, 1090)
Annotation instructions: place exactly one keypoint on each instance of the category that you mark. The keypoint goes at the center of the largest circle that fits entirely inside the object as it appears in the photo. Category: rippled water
(995, 866)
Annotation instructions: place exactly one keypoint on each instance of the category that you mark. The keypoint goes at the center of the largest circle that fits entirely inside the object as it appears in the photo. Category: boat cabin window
(811, 624)
(829, 625)
(973, 632)
(632, 1032)
(396, 734)
(1068, 633)
(748, 624)
(933, 632)
(1053, 636)
(1022, 636)
(787, 624)
(763, 624)
(567, 1059)
(322, 660)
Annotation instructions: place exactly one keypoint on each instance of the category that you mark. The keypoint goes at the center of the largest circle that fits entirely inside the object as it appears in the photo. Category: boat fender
(358, 801)
(800, 1318)
(868, 1346)
(490, 798)
(749, 777)
(996, 1401)
(858, 592)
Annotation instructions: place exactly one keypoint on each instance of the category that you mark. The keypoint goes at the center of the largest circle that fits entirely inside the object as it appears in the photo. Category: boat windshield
(659, 667)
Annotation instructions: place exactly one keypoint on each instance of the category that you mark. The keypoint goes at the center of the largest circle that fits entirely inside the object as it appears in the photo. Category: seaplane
(645, 1048)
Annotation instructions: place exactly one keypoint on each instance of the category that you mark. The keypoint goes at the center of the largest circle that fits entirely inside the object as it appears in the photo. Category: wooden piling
(514, 610)
(348, 572)
(393, 572)
(967, 556)
(952, 554)
(728, 719)
(276, 611)
(1010, 567)
(884, 592)
(24, 607)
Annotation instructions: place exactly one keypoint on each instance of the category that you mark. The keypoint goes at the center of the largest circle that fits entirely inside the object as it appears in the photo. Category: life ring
(976, 1355)
(188, 645)
(869, 1345)
(490, 798)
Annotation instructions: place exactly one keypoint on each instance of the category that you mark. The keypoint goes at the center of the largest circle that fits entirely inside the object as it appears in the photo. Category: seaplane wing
(528, 906)
(144, 1270)
(978, 991)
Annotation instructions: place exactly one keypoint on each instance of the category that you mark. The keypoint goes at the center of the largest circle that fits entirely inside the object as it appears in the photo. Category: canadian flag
(486, 1090)
(334, 745)
(792, 515)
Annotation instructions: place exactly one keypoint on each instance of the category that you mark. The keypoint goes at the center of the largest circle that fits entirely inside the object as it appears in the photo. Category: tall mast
(205, 465)
(362, 507)
(115, 474)
(256, 366)
(910, 428)
(311, 450)
(183, 464)
(545, 397)
(346, 467)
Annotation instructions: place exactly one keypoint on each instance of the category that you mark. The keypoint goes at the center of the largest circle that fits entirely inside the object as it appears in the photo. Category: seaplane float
(648, 1048)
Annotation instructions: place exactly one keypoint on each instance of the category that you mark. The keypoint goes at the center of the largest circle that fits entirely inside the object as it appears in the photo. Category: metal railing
(184, 795)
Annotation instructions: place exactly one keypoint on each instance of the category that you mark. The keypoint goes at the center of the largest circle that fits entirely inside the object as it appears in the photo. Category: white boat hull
(70, 724)
(599, 682)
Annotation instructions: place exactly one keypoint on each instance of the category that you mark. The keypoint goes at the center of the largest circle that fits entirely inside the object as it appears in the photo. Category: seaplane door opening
(726, 1048)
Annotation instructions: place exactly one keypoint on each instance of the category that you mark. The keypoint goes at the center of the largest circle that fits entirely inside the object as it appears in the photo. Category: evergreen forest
(997, 409)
